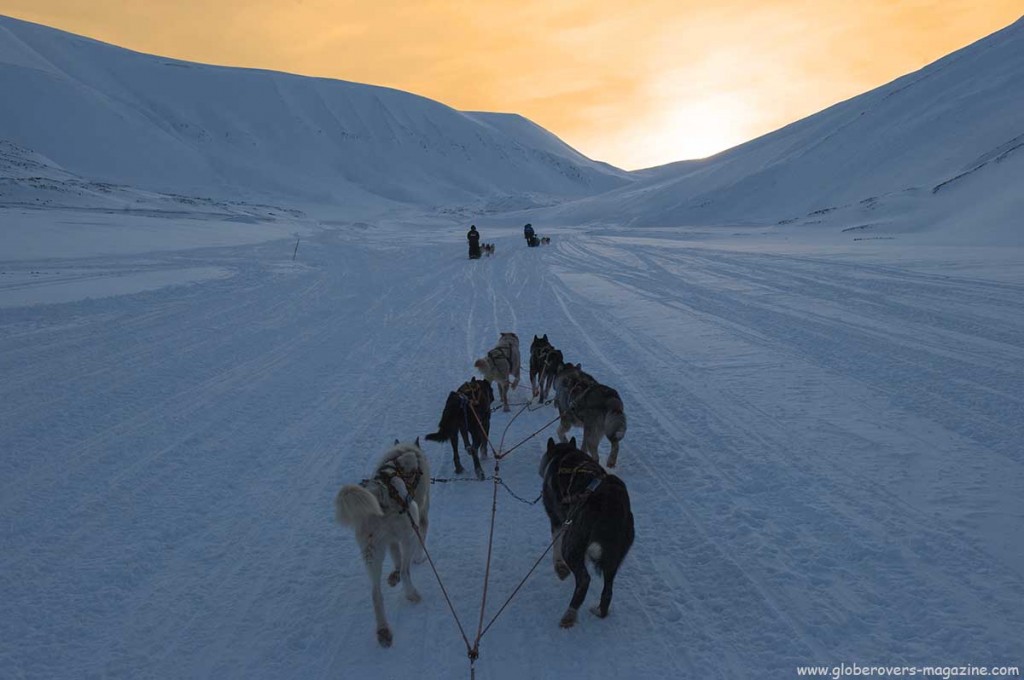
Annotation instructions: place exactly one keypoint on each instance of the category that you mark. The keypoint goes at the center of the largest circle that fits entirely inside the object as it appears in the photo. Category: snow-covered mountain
(940, 146)
(111, 115)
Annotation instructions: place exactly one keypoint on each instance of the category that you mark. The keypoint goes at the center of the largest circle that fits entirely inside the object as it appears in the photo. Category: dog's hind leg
(396, 557)
(373, 555)
(564, 425)
(477, 468)
(409, 545)
(479, 444)
(601, 610)
(591, 440)
(455, 453)
(503, 391)
(578, 566)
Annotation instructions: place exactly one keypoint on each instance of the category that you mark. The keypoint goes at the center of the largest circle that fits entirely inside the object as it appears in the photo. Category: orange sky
(632, 83)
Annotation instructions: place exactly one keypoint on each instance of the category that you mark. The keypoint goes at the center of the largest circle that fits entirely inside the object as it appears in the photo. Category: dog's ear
(545, 336)
(579, 366)
(396, 442)
(417, 442)
(572, 442)
(551, 444)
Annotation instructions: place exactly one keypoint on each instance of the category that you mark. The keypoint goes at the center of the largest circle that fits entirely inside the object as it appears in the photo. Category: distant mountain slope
(945, 141)
(112, 115)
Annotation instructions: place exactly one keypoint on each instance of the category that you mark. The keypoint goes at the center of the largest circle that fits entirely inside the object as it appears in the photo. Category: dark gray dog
(584, 402)
(539, 349)
(553, 362)
(467, 412)
(600, 521)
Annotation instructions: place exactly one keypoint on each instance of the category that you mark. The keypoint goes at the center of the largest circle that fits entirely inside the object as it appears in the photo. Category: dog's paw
(480, 474)
(568, 619)
(414, 596)
(596, 611)
(459, 469)
(384, 637)
(394, 578)
(562, 571)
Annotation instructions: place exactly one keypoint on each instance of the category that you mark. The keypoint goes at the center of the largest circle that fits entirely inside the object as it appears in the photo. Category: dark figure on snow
(474, 242)
(530, 236)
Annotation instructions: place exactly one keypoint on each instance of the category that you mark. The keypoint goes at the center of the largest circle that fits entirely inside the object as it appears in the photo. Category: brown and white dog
(500, 363)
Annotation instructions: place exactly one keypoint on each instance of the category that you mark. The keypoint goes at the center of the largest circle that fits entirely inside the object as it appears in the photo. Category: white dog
(382, 511)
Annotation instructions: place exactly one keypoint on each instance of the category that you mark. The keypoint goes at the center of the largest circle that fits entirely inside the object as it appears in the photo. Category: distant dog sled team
(476, 248)
(587, 507)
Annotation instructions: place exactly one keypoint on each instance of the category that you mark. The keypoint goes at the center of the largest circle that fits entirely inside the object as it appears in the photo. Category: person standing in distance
(473, 236)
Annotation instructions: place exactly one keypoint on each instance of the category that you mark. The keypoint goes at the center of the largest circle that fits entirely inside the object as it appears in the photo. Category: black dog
(539, 349)
(468, 413)
(596, 504)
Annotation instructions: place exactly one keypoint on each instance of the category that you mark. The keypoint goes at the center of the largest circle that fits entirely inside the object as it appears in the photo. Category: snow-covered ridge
(113, 115)
(938, 147)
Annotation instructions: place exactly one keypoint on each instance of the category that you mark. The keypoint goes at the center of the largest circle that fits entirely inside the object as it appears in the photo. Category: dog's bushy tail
(615, 423)
(448, 424)
(354, 504)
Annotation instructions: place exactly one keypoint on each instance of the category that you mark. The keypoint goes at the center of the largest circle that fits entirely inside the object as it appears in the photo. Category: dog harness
(504, 352)
(386, 475)
(470, 392)
(589, 467)
(577, 388)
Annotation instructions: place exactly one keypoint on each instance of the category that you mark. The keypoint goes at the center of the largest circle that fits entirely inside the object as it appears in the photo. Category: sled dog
(600, 523)
(381, 510)
(467, 413)
(584, 402)
(539, 349)
(553, 363)
(501, 362)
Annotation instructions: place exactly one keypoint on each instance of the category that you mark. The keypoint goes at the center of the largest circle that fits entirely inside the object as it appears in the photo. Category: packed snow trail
(823, 457)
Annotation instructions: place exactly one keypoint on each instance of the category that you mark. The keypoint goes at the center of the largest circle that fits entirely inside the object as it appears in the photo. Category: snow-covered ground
(824, 450)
